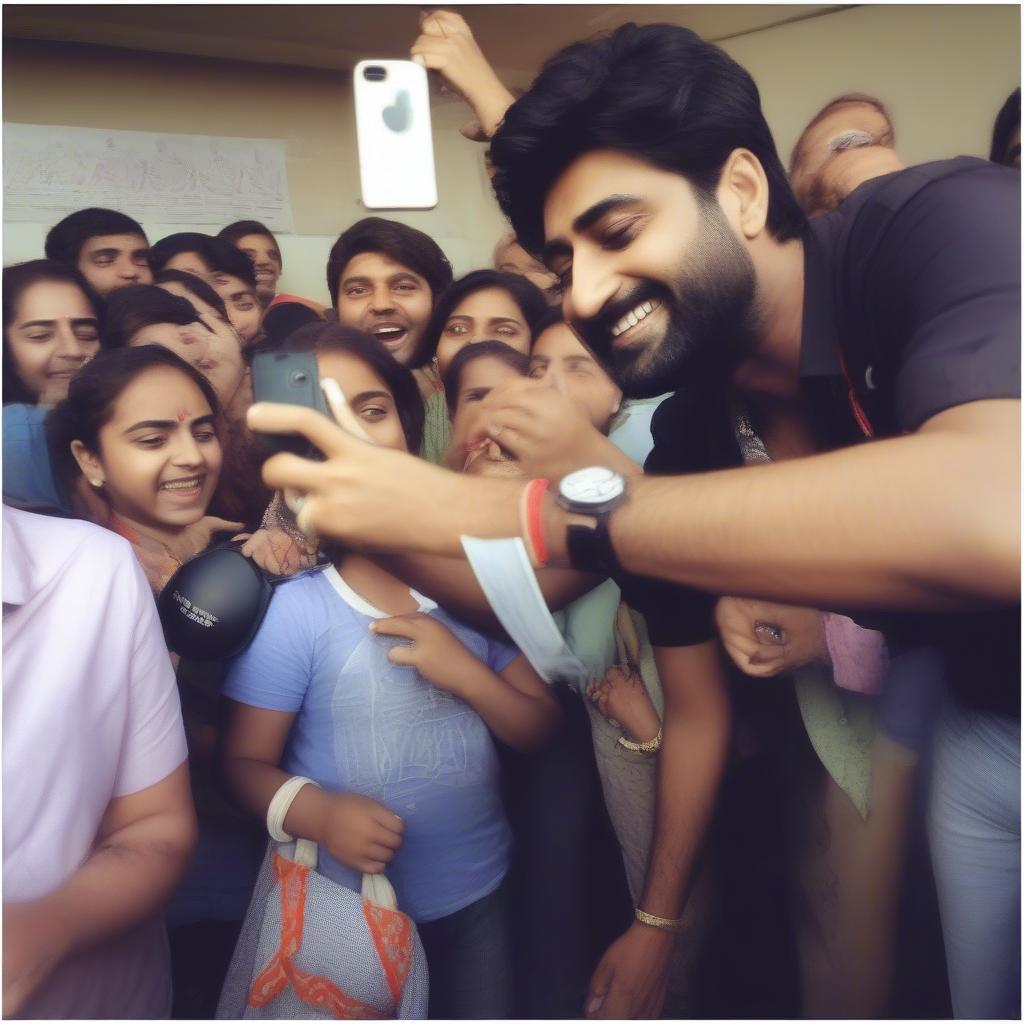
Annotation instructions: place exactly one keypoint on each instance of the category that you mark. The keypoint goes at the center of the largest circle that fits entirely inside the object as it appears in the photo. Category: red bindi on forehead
(182, 415)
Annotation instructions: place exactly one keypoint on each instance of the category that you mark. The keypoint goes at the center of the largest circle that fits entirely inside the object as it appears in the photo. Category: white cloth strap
(280, 805)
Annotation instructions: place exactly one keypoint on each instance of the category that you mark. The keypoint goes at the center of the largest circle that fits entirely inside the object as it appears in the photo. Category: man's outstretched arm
(930, 520)
(927, 521)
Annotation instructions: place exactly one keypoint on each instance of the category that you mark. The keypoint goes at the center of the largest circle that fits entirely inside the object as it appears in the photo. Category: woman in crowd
(483, 305)
(385, 278)
(140, 426)
(193, 324)
(334, 651)
(51, 330)
(52, 321)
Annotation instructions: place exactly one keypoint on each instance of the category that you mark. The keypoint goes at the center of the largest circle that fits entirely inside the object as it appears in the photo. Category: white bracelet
(280, 805)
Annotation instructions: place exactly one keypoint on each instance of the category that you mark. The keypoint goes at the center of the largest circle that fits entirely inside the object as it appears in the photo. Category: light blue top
(27, 473)
(364, 725)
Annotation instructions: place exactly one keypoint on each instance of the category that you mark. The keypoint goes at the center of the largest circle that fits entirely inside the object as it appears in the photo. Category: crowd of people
(785, 780)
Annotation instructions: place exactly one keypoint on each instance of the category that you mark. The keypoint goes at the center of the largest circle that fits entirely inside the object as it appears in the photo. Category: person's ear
(89, 464)
(743, 193)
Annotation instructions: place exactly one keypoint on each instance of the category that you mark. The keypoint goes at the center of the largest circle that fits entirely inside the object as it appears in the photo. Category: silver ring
(767, 632)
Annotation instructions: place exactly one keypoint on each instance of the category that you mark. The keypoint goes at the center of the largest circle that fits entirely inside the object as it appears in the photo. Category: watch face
(593, 486)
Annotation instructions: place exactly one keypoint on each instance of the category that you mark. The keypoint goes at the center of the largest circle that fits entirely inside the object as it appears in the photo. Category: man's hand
(548, 432)
(631, 978)
(362, 493)
(766, 639)
(447, 46)
(360, 832)
(32, 949)
(434, 651)
(277, 552)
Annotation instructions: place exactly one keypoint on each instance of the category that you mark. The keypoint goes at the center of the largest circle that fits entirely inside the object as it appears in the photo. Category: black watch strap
(590, 547)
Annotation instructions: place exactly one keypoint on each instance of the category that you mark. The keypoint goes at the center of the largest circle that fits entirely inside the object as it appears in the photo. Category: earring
(96, 483)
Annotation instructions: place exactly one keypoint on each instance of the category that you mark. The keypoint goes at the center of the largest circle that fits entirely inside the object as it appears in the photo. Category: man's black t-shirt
(911, 306)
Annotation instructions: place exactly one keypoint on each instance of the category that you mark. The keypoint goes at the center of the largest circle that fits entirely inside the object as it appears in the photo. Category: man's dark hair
(226, 258)
(849, 99)
(173, 245)
(1007, 122)
(452, 377)
(524, 293)
(17, 279)
(323, 337)
(96, 388)
(142, 305)
(658, 92)
(216, 253)
(399, 242)
(233, 233)
(197, 286)
(65, 239)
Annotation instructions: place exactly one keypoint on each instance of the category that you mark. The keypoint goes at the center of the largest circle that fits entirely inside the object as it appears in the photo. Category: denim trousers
(974, 832)
(469, 958)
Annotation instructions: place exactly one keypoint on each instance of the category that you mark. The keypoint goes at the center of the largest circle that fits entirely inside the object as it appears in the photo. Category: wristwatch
(595, 492)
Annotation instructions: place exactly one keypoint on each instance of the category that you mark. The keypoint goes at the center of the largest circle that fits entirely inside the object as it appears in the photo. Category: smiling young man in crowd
(687, 265)
(384, 278)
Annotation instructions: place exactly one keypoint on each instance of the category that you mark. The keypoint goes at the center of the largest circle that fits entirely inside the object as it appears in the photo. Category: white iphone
(396, 147)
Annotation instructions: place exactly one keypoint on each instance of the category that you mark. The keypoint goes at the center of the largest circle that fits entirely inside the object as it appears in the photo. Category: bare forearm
(912, 522)
(252, 784)
(490, 101)
(522, 721)
(693, 751)
(127, 880)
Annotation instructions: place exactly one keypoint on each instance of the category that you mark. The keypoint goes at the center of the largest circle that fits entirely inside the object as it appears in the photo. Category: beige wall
(944, 71)
(94, 87)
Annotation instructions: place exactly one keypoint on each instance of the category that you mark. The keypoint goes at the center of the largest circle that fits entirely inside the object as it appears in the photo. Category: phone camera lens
(375, 73)
(299, 378)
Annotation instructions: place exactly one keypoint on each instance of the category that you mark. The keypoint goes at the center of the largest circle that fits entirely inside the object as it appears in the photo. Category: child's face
(479, 378)
(159, 457)
(560, 359)
(368, 395)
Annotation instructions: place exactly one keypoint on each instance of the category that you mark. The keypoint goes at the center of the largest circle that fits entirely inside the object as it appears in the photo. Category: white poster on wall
(50, 171)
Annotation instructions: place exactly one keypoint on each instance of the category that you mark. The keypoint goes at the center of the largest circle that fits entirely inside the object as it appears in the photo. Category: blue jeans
(974, 831)
(469, 957)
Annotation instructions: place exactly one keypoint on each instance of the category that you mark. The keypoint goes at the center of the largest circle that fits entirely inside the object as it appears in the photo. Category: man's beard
(711, 318)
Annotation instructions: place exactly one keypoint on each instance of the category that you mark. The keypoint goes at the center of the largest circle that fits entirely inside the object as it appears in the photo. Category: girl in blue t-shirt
(389, 705)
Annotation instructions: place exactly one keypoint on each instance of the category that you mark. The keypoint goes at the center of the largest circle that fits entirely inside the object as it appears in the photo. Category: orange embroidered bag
(310, 948)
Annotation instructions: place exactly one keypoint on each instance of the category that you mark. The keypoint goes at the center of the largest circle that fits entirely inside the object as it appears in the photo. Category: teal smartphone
(291, 378)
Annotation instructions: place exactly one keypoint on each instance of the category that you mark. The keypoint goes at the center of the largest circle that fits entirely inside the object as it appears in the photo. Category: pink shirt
(91, 712)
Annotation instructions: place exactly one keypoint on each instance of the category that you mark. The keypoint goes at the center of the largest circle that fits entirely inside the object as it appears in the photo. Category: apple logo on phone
(398, 116)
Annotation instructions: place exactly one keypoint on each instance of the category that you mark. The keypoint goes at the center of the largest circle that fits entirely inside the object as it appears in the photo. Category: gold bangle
(647, 747)
(666, 924)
